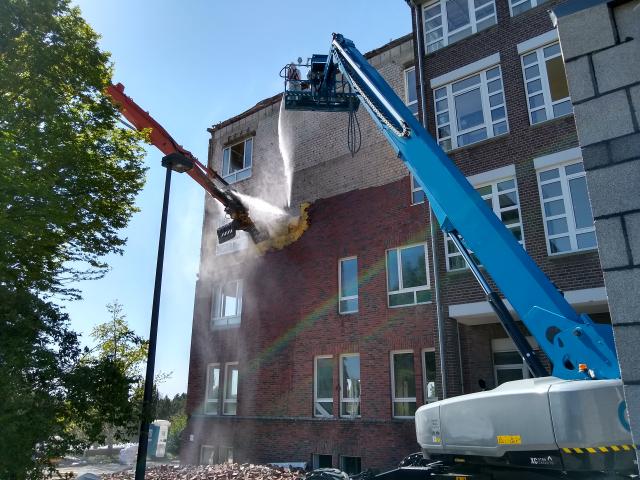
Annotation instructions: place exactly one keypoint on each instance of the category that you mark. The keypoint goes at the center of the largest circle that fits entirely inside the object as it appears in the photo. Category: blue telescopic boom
(569, 339)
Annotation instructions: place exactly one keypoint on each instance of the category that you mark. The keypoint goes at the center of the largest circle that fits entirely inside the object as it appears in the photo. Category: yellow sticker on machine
(509, 440)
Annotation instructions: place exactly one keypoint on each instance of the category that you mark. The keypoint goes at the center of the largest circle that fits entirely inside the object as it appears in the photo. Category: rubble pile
(224, 471)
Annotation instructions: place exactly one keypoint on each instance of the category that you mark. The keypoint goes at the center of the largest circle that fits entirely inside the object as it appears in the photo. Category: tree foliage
(53, 399)
(69, 174)
(68, 180)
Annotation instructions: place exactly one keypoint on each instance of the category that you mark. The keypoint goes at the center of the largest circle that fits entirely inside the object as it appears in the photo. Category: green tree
(68, 180)
(69, 175)
(174, 437)
(53, 398)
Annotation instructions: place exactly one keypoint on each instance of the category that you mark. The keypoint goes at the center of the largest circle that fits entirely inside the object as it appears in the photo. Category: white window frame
(344, 399)
(218, 320)
(392, 369)
(425, 383)
(447, 109)
(245, 171)
(317, 399)
(225, 400)
(416, 188)
(506, 345)
(432, 46)
(495, 206)
(412, 104)
(568, 207)
(208, 400)
(349, 297)
(398, 266)
(238, 243)
(515, 3)
(544, 81)
(214, 451)
(223, 452)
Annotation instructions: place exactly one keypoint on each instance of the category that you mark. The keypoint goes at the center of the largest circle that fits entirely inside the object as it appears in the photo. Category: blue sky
(192, 64)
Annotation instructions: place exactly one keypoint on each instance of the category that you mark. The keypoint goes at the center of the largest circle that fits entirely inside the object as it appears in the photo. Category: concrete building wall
(601, 46)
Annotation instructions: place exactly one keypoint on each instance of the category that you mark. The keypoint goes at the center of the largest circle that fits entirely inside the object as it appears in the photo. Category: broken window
(350, 385)
(348, 285)
(237, 160)
(230, 402)
(407, 276)
(323, 386)
(546, 84)
(213, 389)
(403, 384)
(227, 305)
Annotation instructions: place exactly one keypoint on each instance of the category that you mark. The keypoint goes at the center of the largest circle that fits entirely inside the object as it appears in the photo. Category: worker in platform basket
(293, 77)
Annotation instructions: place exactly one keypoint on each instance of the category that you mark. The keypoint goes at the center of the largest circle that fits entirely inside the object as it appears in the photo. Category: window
(410, 92)
(502, 197)
(470, 110)
(546, 84)
(429, 375)
(238, 243)
(508, 365)
(447, 21)
(350, 465)
(226, 455)
(230, 402)
(568, 220)
(321, 461)
(519, 6)
(227, 305)
(350, 385)
(348, 284)
(323, 386)
(236, 161)
(403, 384)
(208, 455)
(417, 193)
(213, 389)
(407, 276)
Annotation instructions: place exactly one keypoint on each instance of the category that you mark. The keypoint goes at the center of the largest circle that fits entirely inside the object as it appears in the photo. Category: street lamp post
(178, 163)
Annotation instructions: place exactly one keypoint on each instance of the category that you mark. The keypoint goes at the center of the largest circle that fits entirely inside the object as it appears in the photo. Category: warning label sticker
(509, 440)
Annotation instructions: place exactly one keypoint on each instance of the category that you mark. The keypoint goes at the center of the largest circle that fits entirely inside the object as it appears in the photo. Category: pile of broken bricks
(224, 471)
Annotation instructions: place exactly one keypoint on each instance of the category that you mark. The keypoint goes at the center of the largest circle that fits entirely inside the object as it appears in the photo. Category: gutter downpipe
(432, 219)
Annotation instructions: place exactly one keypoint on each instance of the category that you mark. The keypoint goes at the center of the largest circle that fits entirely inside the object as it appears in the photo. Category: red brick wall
(290, 315)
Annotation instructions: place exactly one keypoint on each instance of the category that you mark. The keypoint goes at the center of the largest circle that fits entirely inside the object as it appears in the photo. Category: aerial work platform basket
(315, 92)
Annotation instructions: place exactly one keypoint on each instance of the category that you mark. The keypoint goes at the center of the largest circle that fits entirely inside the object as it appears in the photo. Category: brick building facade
(321, 351)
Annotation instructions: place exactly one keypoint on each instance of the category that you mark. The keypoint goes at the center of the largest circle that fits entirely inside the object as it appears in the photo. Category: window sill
(478, 144)
(574, 253)
(410, 304)
(223, 323)
(549, 120)
(348, 313)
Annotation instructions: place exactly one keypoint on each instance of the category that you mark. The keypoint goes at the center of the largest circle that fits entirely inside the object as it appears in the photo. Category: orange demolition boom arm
(181, 160)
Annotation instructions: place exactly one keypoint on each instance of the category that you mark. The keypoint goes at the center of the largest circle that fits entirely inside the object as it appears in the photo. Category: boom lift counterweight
(536, 425)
